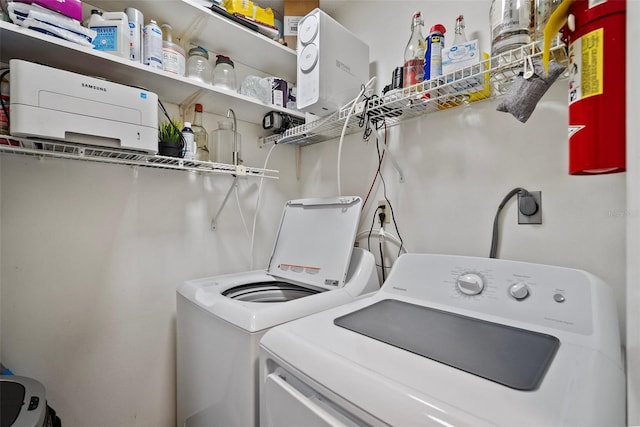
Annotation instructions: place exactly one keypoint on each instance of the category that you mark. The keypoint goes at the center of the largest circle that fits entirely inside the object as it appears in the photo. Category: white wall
(91, 254)
(460, 163)
(94, 253)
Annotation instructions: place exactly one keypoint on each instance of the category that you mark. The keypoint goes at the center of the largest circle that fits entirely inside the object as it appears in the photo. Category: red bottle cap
(439, 28)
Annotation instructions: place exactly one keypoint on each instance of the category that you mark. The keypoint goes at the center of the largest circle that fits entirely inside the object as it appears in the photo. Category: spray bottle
(433, 56)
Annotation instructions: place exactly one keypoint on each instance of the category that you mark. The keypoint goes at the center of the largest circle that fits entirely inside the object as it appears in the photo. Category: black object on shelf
(220, 10)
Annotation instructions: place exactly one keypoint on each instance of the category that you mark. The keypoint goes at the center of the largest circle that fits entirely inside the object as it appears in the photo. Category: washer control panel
(537, 294)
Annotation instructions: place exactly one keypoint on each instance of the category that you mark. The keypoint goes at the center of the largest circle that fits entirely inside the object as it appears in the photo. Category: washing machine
(453, 341)
(220, 320)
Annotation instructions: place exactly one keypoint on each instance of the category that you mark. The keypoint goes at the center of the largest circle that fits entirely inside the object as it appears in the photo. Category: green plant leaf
(170, 131)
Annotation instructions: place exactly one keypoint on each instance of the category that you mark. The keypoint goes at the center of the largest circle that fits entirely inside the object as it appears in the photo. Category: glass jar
(224, 74)
(543, 10)
(510, 24)
(511, 28)
(198, 66)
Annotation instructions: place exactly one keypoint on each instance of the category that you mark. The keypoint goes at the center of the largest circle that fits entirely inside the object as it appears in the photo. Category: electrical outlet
(384, 206)
(536, 218)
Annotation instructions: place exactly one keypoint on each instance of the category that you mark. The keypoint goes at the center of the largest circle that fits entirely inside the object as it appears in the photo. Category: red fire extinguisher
(595, 35)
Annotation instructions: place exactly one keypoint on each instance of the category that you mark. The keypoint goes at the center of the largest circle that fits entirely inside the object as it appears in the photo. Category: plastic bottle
(414, 53)
(136, 23)
(173, 56)
(112, 30)
(152, 45)
(198, 66)
(189, 149)
(433, 56)
(223, 141)
(200, 135)
(224, 74)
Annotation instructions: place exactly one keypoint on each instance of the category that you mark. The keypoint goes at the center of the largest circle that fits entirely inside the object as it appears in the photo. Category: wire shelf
(489, 78)
(66, 150)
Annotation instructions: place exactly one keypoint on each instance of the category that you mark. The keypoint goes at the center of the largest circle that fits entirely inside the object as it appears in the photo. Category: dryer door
(298, 405)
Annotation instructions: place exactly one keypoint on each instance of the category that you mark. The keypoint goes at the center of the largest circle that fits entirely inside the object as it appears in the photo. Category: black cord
(164, 110)
(494, 235)
(371, 229)
(382, 261)
(4, 107)
(384, 193)
(382, 216)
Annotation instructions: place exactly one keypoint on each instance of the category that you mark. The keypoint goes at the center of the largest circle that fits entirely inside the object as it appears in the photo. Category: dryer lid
(315, 240)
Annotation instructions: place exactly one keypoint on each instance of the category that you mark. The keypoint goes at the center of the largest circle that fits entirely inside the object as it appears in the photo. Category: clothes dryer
(221, 319)
(453, 341)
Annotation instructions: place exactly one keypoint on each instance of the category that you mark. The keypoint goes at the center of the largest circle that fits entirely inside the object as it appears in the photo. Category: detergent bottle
(112, 30)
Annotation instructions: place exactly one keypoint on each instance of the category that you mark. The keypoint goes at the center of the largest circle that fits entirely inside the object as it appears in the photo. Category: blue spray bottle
(433, 55)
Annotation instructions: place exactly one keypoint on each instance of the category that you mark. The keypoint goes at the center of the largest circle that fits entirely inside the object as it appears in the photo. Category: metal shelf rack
(481, 81)
(64, 150)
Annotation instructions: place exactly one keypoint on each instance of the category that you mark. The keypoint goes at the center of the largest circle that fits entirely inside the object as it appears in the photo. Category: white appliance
(56, 104)
(220, 320)
(23, 403)
(333, 64)
(449, 341)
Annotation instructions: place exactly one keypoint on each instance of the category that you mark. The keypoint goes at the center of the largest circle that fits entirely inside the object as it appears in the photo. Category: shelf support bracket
(214, 221)
(186, 106)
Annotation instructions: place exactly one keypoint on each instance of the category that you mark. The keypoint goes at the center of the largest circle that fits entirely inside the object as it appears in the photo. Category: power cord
(528, 206)
(371, 229)
(384, 193)
(375, 177)
(344, 130)
(382, 216)
(164, 111)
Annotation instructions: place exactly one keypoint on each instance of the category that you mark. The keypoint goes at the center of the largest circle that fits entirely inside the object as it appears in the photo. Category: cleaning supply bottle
(433, 56)
(152, 45)
(200, 136)
(112, 30)
(414, 53)
(189, 149)
(136, 23)
(173, 55)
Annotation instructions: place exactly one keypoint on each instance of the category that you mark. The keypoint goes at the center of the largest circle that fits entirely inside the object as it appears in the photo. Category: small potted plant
(170, 138)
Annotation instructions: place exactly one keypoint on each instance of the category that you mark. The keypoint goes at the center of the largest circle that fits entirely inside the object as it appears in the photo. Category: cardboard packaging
(463, 61)
(294, 11)
(251, 11)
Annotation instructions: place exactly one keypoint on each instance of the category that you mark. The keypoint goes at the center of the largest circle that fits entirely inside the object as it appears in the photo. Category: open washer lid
(315, 240)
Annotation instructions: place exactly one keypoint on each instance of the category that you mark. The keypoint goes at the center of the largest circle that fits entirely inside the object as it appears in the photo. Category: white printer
(55, 104)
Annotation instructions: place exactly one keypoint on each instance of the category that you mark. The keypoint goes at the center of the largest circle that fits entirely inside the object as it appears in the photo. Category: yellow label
(592, 62)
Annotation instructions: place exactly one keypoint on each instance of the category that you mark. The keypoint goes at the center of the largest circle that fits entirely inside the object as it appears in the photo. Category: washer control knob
(470, 284)
(519, 291)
